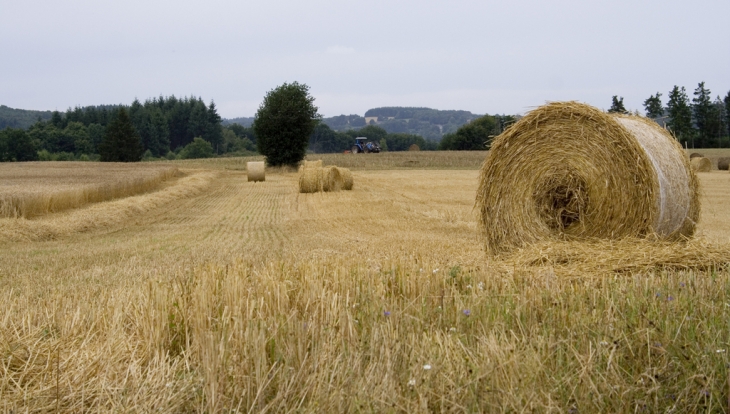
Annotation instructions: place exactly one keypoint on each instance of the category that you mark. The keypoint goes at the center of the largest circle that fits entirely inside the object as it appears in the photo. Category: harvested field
(252, 296)
(36, 188)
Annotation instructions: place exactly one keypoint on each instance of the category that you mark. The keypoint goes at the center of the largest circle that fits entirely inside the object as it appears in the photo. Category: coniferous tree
(681, 115)
(702, 111)
(215, 130)
(653, 106)
(121, 141)
(617, 105)
(726, 101)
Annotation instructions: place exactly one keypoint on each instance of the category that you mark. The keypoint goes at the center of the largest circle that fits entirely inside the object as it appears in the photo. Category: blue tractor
(362, 146)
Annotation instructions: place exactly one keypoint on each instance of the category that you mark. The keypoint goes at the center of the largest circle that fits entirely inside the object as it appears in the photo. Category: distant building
(369, 119)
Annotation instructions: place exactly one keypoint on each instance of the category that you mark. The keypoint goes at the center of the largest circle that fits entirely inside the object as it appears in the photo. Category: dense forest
(166, 127)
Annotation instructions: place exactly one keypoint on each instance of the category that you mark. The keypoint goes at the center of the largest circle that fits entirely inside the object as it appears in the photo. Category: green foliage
(708, 117)
(383, 145)
(474, 136)
(284, 122)
(16, 145)
(325, 140)
(199, 148)
(617, 105)
(121, 141)
(402, 142)
(680, 114)
(653, 106)
(171, 155)
(20, 118)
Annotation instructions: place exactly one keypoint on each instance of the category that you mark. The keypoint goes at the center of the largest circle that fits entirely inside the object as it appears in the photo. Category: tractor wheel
(355, 149)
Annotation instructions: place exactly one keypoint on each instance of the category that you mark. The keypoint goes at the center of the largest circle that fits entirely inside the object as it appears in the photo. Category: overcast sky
(480, 56)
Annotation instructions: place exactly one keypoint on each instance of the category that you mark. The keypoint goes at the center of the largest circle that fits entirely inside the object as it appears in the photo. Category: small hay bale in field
(310, 180)
(347, 180)
(701, 164)
(256, 171)
(695, 155)
(723, 163)
(414, 147)
(570, 171)
(331, 179)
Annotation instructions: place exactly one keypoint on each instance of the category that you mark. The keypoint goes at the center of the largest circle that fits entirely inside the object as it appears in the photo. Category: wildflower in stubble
(386, 313)
(466, 312)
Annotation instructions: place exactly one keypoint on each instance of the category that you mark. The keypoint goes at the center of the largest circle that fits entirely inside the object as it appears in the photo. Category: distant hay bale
(695, 155)
(256, 171)
(414, 147)
(723, 163)
(568, 171)
(310, 179)
(701, 164)
(331, 179)
(347, 180)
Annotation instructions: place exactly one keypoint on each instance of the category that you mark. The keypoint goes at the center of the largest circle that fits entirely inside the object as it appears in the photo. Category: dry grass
(250, 297)
(569, 171)
(36, 188)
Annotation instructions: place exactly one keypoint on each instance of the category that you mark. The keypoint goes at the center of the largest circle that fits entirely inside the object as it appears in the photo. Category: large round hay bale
(310, 180)
(331, 179)
(695, 155)
(570, 171)
(414, 147)
(256, 171)
(723, 163)
(701, 164)
(347, 180)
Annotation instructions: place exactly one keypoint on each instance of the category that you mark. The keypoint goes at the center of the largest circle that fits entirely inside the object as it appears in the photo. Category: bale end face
(256, 171)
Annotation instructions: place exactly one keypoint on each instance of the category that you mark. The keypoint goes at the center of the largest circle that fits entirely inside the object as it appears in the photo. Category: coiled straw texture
(569, 171)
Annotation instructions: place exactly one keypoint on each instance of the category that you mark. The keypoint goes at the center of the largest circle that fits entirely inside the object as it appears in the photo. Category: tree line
(701, 122)
(165, 127)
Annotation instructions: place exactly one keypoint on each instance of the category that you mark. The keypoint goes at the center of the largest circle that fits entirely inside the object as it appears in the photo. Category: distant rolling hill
(429, 123)
(20, 118)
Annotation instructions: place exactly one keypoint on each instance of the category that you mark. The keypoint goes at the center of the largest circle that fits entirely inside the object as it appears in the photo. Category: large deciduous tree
(284, 122)
(121, 141)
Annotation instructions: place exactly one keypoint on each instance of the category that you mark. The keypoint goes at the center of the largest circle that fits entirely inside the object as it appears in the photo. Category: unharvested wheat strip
(33, 189)
(102, 214)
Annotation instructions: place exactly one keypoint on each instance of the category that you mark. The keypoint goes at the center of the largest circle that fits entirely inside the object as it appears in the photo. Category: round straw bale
(347, 180)
(310, 180)
(723, 163)
(701, 164)
(570, 171)
(256, 171)
(331, 179)
(695, 155)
